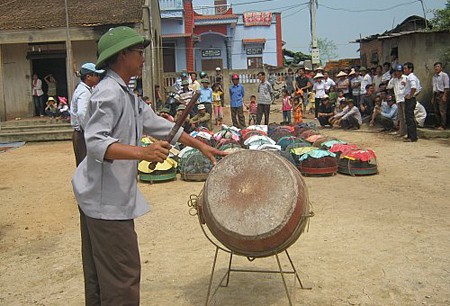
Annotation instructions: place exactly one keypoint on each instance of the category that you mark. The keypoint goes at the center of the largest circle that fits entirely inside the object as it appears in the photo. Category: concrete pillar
(2, 95)
(228, 48)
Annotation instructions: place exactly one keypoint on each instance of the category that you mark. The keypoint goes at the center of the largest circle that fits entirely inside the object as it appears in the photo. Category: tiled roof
(42, 14)
(254, 41)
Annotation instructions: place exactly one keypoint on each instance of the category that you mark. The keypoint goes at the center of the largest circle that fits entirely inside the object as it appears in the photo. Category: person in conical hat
(105, 183)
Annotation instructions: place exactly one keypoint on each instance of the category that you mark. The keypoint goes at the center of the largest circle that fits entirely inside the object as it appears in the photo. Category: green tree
(296, 55)
(328, 50)
(441, 19)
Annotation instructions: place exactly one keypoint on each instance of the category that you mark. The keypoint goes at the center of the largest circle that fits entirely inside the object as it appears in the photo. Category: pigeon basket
(280, 132)
(194, 166)
(317, 162)
(358, 162)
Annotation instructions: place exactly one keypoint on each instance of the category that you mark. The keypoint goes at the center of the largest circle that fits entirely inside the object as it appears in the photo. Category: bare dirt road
(379, 240)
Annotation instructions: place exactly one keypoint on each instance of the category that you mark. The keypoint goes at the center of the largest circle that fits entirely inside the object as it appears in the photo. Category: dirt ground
(378, 240)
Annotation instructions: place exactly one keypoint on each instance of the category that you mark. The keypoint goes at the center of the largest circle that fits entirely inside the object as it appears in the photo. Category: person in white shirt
(387, 73)
(412, 89)
(420, 114)
(194, 85)
(328, 82)
(378, 77)
(38, 96)
(349, 118)
(319, 90)
(398, 83)
(366, 79)
(440, 95)
(356, 86)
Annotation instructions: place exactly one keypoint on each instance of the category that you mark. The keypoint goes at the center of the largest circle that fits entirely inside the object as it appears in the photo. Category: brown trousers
(79, 146)
(440, 109)
(111, 262)
(401, 118)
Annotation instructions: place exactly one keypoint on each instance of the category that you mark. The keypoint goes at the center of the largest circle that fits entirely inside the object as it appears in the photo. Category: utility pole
(315, 54)
(424, 14)
(69, 60)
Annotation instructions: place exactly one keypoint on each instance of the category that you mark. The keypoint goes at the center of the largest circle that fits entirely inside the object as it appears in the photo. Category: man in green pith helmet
(105, 183)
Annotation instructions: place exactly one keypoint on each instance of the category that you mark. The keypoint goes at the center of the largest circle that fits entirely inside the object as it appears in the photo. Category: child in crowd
(311, 102)
(51, 109)
(252, 110)
(63, 108)
(286, 106)
(297, 110)
(332, 95)
(340, 100)
(217, 102)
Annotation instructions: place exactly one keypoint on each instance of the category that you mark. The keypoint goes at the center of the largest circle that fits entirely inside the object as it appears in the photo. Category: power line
(296, 12)
(368, 10)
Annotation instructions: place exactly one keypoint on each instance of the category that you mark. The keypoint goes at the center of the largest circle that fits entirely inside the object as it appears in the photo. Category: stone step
(60, 134)
(32, 121)
(29, 128)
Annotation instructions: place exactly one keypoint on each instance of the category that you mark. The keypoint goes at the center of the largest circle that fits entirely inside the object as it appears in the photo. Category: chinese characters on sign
(257, 19)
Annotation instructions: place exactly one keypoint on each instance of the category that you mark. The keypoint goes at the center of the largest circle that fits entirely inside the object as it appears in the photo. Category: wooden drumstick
(179, 123)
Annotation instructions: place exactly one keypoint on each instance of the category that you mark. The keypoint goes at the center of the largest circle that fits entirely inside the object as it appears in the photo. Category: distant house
(210, 36)
(34, 39)
(410, 41)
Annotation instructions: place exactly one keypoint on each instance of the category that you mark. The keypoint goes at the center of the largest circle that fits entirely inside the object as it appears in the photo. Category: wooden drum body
(255, 203)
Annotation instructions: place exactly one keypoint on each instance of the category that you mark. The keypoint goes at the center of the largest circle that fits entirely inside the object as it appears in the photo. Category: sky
(334, 20)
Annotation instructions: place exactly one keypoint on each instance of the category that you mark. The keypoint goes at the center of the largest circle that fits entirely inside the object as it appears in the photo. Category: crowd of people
(385, 95)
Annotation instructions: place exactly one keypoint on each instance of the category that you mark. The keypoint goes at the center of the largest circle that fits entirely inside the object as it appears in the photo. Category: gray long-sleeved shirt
(108, 189)
(264, 93)
(78, 105)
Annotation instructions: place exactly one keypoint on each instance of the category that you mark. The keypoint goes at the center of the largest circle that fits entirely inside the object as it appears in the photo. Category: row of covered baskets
(312, 153)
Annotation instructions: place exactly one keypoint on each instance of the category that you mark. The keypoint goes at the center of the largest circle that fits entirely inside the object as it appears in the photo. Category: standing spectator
(319, 90)
(412, 89)
(78, 105)
(290, 81)
(38, 96)
(286, 106)
(237, 93)
(51, 85)
(206, 96)
(356, 86)
(398, 83)
(440, 95)
(177, 86)
(218, 80)
(302, 81)
(264, 99)
(378, 77)
(217, 104)
(387, 73)
(185, 95)
(328, 82)
(326, 112)
(194, 85)
(366, 79)
(343, 84)
(252, 110)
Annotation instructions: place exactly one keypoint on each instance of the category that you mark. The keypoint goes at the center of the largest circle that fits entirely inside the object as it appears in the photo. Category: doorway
(211, 64)
(169, 57)
(55, 66)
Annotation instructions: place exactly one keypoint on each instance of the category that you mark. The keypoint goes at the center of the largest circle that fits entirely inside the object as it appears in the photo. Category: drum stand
(192, 203)
(230, 269)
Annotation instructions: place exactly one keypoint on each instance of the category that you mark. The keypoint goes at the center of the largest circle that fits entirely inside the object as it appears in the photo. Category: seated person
(349, 118)
(165, 113)
(202, 119)
(386, 115)
(63, 108)
(52, 108)
(326, 111)
(366, 104)
(186, 125)
(420, 114)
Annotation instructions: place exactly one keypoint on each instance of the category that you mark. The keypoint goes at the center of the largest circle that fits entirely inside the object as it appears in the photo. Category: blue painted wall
(210, 41)
(172, 26)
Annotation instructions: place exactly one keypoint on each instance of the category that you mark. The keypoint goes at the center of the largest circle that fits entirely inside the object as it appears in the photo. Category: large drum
(255, 203)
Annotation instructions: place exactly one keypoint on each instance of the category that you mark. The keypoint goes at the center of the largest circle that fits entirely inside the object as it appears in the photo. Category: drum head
(254, 200)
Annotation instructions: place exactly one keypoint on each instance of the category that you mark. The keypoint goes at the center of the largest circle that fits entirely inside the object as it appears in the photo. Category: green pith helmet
(184, 82)
(183, 75)
(205, 81)
(116, 40)
(203, 74)
(165, 110)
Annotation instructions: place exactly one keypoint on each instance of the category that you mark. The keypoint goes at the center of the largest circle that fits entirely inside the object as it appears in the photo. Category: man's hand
(156, 152)
(211, 152)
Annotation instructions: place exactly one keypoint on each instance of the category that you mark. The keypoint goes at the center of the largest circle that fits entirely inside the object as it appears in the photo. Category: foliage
(441, 19)
(328, 49)
(296, 55)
